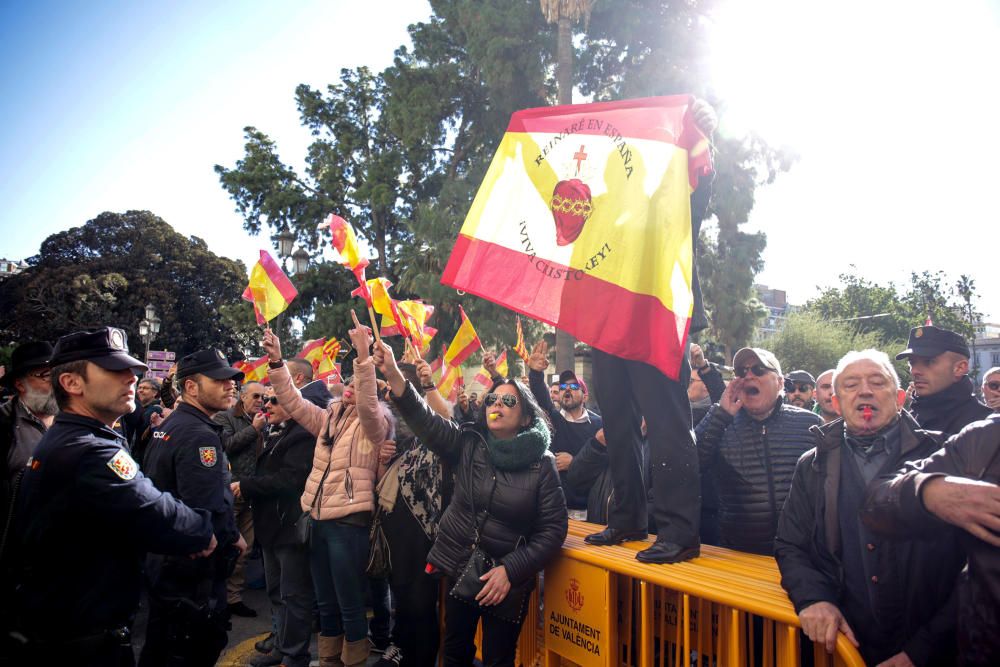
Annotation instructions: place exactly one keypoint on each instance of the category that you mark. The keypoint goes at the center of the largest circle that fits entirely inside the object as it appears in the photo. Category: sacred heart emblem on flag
(571, 206)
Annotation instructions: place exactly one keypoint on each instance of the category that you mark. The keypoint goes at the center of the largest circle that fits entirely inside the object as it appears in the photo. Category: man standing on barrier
(188, 616)
(85, 516)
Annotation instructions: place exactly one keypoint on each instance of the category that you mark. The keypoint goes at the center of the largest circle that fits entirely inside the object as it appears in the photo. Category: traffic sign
(161, 355)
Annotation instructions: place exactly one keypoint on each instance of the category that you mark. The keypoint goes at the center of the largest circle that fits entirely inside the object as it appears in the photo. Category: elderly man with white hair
(991, 388)
(893, 599)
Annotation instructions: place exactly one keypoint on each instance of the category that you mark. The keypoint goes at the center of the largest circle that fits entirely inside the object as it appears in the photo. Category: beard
(40, 402)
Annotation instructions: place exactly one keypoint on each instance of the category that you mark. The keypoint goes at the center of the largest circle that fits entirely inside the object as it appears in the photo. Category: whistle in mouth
(867, 413)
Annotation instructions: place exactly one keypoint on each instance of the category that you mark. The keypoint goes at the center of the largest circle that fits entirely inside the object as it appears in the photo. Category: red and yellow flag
(451, 382)
(346, 244)
(322, 354)
(465, 342)
(483, 376)
(413, 315)
(519, 347)
(583, 220)
(269, 290)
(328, 364)
(253, 371)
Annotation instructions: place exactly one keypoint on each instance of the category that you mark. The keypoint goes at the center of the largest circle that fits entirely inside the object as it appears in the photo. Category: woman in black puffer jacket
(504, 469)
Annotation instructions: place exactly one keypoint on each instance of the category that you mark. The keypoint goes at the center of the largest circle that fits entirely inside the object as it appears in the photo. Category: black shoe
(663, 551)
(612, 536)
(240, 609)
(265, 645)
(265, 660)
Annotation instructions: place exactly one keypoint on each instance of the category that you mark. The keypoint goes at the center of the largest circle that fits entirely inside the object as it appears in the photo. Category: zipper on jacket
(770, 479)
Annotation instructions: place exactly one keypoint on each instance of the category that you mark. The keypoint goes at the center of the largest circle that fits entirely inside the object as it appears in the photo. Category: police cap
(930, 341)
(107, 347)
(210, 363)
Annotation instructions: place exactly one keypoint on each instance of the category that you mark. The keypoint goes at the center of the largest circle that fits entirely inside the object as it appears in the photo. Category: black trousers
(415, 631)
(460, 620)
(627, 391)
(185, 633)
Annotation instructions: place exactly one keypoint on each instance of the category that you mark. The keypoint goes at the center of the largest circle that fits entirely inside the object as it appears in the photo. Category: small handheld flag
(269, 289)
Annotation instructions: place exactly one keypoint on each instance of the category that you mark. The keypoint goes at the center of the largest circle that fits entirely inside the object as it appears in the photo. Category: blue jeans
(338, 557)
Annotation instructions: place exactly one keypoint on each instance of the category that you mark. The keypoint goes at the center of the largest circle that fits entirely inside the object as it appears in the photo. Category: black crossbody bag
(468, 584)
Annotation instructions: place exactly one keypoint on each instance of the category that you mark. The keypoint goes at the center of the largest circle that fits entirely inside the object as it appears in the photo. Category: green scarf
(522, 450)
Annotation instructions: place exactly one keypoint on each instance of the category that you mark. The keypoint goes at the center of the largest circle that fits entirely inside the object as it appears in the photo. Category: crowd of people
(880, 504)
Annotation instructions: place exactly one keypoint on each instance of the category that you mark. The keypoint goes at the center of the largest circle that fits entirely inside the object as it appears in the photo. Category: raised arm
(537, 363)
(311, 417)
(440, 434)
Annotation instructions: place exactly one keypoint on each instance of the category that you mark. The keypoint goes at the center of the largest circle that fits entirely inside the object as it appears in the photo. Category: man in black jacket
(957, 484)
(242, 426)
(894, 600)
(273, 491)
(945, 399)
(573, 423)
(750, 442)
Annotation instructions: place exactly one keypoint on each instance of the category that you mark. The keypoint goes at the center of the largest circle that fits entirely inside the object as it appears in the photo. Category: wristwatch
(276, 364)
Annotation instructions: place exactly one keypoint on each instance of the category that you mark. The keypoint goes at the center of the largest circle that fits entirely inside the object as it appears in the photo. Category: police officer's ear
(72, 383)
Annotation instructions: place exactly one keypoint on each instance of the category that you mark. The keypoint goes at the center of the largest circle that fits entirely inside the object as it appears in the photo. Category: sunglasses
(569, 385)
(510, 400)
(798, 388)
(271, 401)
(256, 397)
(994, 386)
(756, 369)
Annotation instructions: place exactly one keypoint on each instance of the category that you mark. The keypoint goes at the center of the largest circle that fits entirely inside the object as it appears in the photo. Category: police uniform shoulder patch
(123, 465)
(209, 457)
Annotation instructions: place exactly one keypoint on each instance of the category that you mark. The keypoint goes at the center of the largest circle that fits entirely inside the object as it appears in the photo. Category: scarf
(868, 445)
(522, 450)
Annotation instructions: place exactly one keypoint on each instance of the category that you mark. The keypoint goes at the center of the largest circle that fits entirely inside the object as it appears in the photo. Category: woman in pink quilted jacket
(339, 495)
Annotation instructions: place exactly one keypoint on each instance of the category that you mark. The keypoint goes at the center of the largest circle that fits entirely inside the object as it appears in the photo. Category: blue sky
(892, 106)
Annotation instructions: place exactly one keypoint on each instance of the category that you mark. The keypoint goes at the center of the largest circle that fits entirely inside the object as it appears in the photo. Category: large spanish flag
(269, 289)
(583, 220)
(253, 371)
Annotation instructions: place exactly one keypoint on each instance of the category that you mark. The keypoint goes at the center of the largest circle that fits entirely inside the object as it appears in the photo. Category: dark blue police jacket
(186, 458)
(85, 517)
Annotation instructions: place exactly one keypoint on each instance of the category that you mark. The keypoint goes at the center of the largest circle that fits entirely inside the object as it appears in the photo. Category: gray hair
(243, 389)
(880, 358)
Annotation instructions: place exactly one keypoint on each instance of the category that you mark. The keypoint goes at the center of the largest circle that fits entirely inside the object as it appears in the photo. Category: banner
(583, 221)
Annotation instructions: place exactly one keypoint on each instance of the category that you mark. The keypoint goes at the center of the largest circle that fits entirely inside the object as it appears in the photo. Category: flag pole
(371, 316)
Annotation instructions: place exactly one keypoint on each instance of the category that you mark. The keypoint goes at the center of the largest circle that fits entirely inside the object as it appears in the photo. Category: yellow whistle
(494, 416)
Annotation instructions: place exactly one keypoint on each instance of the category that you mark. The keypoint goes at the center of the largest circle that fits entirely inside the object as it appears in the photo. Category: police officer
(188, 617)
(85, 515)
(944, 398)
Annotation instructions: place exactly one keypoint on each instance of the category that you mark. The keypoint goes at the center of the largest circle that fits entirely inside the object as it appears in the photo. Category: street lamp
(149, 327)
(286, 241)
(300, 261)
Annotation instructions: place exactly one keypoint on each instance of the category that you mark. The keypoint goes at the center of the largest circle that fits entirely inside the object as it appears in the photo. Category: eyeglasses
(271, 401)
(994, 386)
(569, 385)
(256, 397)
(756, 369)
(510, 400)
(42, 375)
(798, 388)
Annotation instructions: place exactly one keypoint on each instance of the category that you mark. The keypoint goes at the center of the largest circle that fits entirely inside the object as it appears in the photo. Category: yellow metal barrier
(603, 607)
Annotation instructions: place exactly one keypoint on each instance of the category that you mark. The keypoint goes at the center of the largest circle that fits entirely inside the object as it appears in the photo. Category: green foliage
(892, 311)
(354, 168)
(810, 342)
(106, 271)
